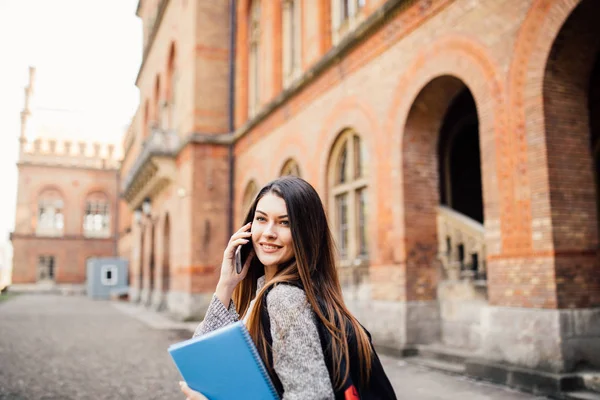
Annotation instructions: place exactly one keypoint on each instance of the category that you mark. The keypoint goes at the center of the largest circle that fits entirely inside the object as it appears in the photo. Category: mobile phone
(238, 260)
(241, 255)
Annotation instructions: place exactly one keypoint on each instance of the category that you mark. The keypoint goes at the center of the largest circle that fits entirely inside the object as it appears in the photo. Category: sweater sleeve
(217, 316)
(297, 354)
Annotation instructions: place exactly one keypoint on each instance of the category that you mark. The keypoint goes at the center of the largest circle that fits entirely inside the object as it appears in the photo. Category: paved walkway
(67, 348)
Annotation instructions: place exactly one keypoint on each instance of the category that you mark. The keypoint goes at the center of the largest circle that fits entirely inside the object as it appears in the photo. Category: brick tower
(66, 205)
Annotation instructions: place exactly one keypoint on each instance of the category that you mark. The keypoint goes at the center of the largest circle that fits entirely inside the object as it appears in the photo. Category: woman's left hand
(191, 394)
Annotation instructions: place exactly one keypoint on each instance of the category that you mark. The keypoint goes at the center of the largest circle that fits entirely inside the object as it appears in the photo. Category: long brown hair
(315, 268)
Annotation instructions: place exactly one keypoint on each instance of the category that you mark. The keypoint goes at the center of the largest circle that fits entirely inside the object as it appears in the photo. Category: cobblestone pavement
(55, 347)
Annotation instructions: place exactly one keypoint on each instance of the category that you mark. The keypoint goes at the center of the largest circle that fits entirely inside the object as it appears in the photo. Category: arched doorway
(166, 264)
(141, 259)
(151, 262)
(571, 118)
(459, 158)
(594, 113)
(443, 221)
(460, 221)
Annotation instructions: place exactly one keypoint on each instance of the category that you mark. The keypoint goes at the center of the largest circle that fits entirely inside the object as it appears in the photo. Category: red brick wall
(211, 66)
(70, 257)
(210, 224)
(381, 78)
(539, 201)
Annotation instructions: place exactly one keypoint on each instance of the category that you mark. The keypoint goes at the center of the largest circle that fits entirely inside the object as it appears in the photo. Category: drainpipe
(232, 33)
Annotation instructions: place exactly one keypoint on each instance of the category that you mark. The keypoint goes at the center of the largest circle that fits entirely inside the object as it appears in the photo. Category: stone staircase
(441, 358)
(587, 387)
(574, 386)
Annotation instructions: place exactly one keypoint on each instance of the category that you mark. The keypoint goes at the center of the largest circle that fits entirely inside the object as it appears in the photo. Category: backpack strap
(378, 387)
(265, 321)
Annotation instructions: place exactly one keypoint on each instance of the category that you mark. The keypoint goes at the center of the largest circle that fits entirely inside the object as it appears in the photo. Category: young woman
(289, 295)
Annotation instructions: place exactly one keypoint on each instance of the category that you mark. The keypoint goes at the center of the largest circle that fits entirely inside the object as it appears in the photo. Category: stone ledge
(394, 351)
(536, 382)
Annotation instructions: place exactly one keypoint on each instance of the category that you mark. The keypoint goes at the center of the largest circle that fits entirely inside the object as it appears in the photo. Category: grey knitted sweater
(297, 355)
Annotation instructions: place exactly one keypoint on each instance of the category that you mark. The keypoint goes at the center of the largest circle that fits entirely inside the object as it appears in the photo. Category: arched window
(290, 168)
(249, 195)
(146, 125)
(254, 59)
(96, 220)
(292, 40)
(171, 87)
(50, 217)
(157, 105)
(348, 197)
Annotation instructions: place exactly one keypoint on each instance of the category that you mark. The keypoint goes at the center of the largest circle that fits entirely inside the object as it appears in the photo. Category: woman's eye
(286, 223)
(259, 218)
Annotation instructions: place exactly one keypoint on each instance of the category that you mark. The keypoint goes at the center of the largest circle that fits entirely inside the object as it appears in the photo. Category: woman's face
(271, 233)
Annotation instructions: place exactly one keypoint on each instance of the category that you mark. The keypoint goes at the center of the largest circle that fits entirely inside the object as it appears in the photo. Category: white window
(108, 275)
(254, 59)
(96, 220)
(292, 40)
(50, 217)
(345, 16)
(171, 92)
(348, 198)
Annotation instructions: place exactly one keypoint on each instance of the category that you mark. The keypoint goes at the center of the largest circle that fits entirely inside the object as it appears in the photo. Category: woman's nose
(270, 232)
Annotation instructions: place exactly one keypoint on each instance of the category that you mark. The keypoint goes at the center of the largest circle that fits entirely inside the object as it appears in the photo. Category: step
(444, 353)
(591, 381)
(581, 395)
(439, 365)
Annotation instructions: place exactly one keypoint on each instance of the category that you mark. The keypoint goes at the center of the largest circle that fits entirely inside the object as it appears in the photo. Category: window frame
(342, 25)
(50, 216)
(290, 167)
(250, 192)
(349, 188)
(97, 205)
(292, 40)
(254, 65)
(46, 262)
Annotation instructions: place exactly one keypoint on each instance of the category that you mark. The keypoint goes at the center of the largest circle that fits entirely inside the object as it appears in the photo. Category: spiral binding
(259, 361)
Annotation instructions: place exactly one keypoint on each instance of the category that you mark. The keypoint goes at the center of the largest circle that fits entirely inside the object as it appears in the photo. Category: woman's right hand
(191, 394)
(229, 278)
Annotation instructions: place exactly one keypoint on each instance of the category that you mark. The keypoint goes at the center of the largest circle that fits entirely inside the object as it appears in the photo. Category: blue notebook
(224, 365)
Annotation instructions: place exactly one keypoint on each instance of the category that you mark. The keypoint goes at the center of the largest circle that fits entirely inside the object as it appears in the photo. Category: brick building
(454, 143)
(66, 204)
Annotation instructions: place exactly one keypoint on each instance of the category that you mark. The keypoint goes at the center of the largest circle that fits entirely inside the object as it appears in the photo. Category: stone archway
(141, 256)
(166, 261)
(440, 148)
(162, 257)
(460, 159)
(152, 262)
(166, 254)
(569, 86)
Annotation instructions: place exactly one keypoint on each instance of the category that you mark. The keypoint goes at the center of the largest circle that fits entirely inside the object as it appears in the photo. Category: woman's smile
(269, 248)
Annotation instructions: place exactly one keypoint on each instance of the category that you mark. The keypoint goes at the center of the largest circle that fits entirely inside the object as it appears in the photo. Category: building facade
(66, 206)
(453, 142)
